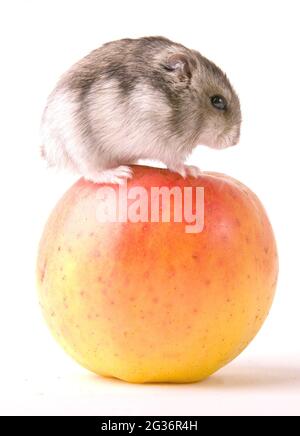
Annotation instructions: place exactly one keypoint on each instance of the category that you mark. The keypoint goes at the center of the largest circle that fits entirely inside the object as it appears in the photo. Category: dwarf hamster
(146, 98)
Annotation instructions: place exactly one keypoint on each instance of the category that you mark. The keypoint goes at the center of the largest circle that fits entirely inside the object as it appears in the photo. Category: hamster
(146, 98)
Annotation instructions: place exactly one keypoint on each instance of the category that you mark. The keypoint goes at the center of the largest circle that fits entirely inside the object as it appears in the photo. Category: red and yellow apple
(147, 301)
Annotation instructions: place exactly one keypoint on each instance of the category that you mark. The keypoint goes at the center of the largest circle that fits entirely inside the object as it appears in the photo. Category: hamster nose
(234, 140)
(236, 136)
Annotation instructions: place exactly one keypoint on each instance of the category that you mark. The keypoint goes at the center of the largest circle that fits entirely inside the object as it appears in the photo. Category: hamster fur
(146, 98)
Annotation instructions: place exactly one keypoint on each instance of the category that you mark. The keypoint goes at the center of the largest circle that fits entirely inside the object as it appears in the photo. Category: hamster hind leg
(116, 176)
(96, 168)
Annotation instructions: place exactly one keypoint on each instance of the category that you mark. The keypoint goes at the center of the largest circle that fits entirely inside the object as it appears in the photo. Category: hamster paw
(187, 171)
(115, 176)
(192, 171)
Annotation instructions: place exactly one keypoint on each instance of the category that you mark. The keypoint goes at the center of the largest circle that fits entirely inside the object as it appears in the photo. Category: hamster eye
(219, 102)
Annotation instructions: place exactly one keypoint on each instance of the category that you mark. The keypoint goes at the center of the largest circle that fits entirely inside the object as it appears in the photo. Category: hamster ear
(179, 64)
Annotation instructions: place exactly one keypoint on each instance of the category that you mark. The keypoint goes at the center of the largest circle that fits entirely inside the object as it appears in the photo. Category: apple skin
(148, 302)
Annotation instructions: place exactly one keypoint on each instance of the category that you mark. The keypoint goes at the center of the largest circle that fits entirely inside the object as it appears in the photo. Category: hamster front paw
(192, 171)
(186, 170)
(115, 176)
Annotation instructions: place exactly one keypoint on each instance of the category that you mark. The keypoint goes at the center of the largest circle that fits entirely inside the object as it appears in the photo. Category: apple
(149, 300)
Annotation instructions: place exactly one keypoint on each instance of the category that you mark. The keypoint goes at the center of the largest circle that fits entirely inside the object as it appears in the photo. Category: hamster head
(219, 106)
(203, 101)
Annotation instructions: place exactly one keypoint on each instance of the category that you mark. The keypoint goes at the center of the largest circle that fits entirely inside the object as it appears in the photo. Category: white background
(257, 44)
